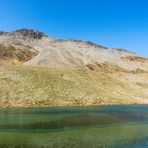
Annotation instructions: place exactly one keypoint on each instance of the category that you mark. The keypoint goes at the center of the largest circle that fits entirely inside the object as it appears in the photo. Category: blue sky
(112, 23)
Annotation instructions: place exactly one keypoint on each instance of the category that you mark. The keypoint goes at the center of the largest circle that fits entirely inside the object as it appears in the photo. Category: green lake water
(75, 127)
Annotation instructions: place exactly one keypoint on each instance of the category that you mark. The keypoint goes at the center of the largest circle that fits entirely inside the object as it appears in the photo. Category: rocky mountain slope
(37, 70)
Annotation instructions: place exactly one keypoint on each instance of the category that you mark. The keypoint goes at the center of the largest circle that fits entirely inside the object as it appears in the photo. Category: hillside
(37, 70)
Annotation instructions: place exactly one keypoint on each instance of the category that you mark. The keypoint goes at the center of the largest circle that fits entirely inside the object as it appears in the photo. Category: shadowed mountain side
(12, 53)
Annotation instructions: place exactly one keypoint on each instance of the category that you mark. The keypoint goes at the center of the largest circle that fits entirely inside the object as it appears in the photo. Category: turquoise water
(103, 126)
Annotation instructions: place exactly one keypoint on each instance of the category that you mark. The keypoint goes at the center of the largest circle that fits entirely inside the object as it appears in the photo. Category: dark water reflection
(71, 117)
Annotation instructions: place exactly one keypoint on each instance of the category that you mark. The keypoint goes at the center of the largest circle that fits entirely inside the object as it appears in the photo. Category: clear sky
(112, 23)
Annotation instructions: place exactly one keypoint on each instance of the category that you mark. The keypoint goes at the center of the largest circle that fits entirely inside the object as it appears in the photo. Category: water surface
(104, 126)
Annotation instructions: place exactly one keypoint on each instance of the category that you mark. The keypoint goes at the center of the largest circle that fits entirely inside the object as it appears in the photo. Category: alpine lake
(75, 127)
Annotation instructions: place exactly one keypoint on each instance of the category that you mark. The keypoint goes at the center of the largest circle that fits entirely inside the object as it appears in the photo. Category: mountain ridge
(37, 70)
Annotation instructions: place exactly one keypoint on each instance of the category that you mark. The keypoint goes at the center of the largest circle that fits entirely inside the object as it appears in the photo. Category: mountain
(38, 70)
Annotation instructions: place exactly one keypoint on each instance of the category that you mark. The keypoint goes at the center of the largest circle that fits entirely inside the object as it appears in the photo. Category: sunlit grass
(39, 86)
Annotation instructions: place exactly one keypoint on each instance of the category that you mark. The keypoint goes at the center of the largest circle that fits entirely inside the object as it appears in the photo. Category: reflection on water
(105, 126)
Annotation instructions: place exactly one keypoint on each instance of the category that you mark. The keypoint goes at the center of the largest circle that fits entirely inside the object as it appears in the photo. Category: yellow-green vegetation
(26, 86)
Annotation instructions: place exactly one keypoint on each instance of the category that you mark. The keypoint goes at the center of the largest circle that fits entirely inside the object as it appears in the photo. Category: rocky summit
(38, 70)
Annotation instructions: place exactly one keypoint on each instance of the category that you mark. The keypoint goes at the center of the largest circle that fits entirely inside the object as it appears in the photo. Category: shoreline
(70, 106)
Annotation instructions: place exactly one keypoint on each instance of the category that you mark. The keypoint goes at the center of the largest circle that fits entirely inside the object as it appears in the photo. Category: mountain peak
(30, 33)
(2, 32)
